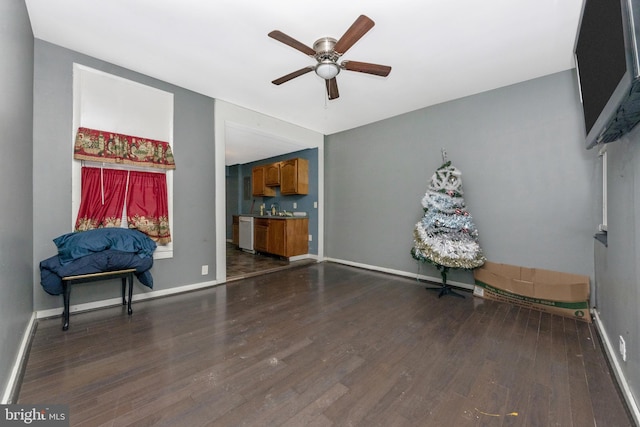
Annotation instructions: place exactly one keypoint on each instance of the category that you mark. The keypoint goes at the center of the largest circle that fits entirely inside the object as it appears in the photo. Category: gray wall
(16, 247)
(617, 265)
(194, 178)
(527, 178)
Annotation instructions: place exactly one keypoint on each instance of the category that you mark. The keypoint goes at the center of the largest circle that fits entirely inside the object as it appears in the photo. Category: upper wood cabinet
(258, 178)
(294, 176)
(272, 175)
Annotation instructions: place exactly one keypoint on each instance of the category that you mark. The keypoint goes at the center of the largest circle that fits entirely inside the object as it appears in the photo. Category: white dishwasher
(246, 233)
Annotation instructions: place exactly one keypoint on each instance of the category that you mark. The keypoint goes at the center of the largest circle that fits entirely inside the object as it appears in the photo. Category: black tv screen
(607, 62)
(601, 56)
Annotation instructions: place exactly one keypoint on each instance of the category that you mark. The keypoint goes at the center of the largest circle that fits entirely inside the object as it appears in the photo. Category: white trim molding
(21, 356)
(401, 273)
(617, 370)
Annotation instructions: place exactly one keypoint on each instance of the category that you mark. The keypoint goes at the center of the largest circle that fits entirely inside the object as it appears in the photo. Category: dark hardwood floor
(322, 345)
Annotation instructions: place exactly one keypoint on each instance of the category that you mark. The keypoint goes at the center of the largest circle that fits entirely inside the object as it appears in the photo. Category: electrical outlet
(205, 270)
(310, 237)
(623, 349)
(295, 205)
(315, 205)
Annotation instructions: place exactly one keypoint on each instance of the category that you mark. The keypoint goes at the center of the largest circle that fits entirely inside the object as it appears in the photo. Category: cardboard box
(544, 290)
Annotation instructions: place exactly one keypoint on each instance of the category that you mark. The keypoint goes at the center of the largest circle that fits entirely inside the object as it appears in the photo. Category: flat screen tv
(608, 69)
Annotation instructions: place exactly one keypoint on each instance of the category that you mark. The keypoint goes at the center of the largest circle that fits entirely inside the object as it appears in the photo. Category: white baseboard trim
(305, 256)
(17, 364)
(400, 273)
(617, 369)
(78, 308)
(41, 314)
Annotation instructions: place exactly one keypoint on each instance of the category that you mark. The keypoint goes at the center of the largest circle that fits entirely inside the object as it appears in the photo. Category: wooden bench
(93, 277)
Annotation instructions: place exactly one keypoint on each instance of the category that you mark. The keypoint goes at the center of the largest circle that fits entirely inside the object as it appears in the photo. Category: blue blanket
(52, 270)
(72, 246)
(97, 251)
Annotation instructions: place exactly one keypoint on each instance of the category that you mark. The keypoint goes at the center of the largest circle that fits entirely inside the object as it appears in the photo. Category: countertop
(273, 216)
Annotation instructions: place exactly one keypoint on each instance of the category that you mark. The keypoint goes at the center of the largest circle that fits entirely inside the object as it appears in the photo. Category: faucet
(275, 207)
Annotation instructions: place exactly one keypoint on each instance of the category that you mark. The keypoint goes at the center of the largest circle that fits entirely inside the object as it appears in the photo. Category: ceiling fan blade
(358, 29)
(293, 75)
(290, 41)
(332, 88)
(366, 67)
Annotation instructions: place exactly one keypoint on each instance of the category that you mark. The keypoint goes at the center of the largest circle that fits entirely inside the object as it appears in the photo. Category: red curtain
(147, 207)
(102, 201)
(102, 146)
(103, 195)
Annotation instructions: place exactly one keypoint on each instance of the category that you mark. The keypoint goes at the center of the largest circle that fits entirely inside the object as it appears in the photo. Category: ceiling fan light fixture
(327, 69)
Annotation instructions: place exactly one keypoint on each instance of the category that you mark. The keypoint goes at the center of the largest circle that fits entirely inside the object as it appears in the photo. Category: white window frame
(108, 102)
(602, 153)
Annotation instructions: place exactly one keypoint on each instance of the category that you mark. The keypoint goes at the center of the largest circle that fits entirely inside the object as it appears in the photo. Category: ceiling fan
(327, 51)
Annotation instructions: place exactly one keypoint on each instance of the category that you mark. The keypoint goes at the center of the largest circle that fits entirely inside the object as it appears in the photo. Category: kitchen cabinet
(277, 237)
(281, 236)
(235, 223)
(294, 176)
(272, 175)
(258, 178)
(293, 237)
(260, 234)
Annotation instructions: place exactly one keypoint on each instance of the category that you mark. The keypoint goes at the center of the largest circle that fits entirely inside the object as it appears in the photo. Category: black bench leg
(66, 295)
(124, 286)
(129, 310)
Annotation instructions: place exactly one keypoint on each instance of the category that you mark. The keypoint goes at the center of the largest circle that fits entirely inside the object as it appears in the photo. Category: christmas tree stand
(444, 289)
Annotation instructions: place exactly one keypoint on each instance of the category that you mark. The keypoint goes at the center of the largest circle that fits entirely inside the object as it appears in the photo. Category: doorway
(231, 120)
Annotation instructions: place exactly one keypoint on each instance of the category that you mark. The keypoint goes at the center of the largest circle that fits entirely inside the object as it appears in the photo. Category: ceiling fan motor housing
(324, 49)
(327, 58)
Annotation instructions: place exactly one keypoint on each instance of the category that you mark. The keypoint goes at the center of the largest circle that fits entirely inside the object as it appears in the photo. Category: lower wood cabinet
(277, 237)
(283, 237)
(261, 234)
(236, 230)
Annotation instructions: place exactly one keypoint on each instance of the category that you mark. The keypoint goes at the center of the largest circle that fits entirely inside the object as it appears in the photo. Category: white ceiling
(439, 50)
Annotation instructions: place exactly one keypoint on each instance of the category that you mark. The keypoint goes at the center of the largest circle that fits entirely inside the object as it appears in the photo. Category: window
(105, 101)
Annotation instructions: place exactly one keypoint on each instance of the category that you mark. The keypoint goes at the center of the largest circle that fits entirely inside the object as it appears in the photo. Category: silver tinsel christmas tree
(446, 235)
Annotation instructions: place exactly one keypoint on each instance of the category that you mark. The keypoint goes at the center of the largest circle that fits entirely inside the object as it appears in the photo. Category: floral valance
(111, 147)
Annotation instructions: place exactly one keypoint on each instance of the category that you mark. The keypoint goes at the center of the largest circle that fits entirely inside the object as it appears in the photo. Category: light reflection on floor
(241, 264)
